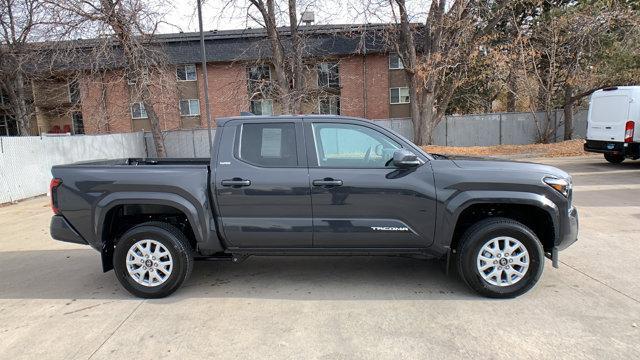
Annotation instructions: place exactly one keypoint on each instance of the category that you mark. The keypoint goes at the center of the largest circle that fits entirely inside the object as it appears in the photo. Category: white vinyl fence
(501, 128)
(25, 162)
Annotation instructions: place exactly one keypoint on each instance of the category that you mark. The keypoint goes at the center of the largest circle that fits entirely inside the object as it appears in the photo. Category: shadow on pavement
(77, 274)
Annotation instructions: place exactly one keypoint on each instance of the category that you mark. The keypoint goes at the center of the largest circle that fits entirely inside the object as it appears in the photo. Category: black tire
(614, 158)
(173, 240)
(478, 235)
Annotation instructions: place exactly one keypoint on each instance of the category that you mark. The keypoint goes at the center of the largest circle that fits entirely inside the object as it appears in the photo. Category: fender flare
(463, 200)
(203, 227)
(198, 222)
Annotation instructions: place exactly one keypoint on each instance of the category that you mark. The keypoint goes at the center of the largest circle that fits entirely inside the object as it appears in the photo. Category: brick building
(349, 69)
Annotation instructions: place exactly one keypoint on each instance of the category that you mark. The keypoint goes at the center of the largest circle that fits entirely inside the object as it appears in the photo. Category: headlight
(563, 186)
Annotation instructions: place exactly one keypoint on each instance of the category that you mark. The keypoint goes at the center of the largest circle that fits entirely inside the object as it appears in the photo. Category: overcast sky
(232, 14)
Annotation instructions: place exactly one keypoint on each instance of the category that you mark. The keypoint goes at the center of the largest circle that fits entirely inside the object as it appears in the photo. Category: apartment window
(329, 105)
(399, 95)
(78, 123)
(8, 126)
(186, 73)
(132, 78)
(262, 107)
(74, 92)
(395, 62)
(190, 107)
(259, 78)
(4, 99)
(328, 75)
(138, 111)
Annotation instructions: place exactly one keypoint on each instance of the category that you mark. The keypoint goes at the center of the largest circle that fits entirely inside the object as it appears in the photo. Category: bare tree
(543, 73)
(561, 52)
(598, 39)
(124, 30)
(20, 22)
(288, 66)
(436, 55)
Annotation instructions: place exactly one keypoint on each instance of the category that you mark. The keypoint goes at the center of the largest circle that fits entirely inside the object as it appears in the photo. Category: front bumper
(568, 235)
(63, 231)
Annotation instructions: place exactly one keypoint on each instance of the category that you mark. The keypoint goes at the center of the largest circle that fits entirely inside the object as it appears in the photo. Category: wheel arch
(105, 211)
(533, 210)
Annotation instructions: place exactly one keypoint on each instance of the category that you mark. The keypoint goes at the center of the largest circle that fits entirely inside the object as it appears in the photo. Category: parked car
(613, 115)
(315, 185)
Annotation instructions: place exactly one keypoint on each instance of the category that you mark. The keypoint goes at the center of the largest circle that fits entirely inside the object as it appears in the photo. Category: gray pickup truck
(315, 185)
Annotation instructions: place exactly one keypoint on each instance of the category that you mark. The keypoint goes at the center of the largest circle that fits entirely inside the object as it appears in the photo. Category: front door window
(352, 146)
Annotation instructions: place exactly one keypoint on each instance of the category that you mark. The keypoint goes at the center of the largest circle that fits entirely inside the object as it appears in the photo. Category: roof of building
(240, 45)
(280, 118)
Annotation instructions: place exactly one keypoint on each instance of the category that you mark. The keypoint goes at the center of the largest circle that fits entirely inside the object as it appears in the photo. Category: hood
(500, 165)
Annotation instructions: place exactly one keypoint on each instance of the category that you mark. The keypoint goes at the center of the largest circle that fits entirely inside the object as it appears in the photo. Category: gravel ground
(560, 149)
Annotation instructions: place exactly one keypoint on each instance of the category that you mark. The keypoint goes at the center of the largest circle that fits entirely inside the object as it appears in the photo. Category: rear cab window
(268, 144)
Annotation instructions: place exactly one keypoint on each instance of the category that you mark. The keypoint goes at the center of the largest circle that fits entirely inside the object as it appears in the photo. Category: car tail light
(628, 131)
(53, 187)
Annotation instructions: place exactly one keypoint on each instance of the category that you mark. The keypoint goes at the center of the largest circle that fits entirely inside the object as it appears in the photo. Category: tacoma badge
(389, 228)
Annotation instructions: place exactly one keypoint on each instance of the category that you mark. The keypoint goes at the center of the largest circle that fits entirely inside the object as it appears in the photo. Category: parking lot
(55, 302)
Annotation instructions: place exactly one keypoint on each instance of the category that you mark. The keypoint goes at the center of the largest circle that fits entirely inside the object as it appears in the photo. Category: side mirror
(404, 158)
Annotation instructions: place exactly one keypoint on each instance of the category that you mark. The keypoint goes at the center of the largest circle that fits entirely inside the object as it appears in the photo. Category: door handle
(236, 182)
(327, 182)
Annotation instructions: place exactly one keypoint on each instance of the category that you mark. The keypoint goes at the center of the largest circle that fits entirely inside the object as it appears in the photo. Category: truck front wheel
(614, 158)
(153, 259)
(500, 258)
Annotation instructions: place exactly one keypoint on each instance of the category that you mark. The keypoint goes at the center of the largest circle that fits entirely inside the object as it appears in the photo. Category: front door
(360, 200)
(262, 185)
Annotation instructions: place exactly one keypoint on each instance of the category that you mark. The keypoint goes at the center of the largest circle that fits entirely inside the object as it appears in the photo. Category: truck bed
(144, 161)
(92, 190)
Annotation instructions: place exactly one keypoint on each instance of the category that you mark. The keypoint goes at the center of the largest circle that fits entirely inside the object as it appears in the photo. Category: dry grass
(565, 148)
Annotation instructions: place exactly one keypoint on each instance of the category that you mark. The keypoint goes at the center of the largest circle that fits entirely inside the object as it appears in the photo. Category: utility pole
(203, 54)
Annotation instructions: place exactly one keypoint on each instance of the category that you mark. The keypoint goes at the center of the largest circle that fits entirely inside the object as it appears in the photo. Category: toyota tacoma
(315, 185)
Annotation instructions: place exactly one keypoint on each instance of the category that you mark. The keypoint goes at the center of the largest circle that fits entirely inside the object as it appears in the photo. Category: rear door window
(268, 145)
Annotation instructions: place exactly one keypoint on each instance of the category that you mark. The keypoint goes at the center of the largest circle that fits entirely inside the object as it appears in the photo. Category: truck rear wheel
(153, 259)
(500, 258)
(614, 158)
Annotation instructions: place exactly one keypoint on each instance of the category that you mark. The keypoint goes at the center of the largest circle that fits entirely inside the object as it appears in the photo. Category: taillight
(628, 131)
(53, 187)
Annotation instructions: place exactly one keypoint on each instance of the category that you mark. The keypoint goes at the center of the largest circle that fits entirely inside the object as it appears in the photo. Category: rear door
(359, 199)
(262, 184)
(608, 114)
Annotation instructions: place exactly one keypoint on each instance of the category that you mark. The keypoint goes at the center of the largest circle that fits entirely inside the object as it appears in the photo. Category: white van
(614, 114)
